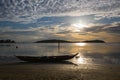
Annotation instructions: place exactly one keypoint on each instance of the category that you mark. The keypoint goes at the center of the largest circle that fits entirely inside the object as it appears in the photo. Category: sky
(73, 20)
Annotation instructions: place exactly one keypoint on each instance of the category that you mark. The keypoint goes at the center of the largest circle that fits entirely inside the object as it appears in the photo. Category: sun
(79, 26)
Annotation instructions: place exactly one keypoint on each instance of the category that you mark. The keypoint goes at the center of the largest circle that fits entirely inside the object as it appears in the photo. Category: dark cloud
(94, 29)
(64, 32)
(110, 28)
(115, 28)
(20, 32)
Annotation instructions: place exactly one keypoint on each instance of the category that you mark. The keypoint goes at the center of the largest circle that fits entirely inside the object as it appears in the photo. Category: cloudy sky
(31, 20)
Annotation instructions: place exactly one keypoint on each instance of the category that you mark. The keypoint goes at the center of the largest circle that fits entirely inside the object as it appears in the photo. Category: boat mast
(58, 47)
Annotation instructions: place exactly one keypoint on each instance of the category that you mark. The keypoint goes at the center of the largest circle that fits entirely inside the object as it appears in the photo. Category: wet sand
(59, 71)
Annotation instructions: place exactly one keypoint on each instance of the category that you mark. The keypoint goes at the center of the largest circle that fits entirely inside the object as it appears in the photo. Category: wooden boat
(46, 58)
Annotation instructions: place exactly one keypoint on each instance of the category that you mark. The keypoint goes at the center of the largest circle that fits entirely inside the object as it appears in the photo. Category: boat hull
(46, 58)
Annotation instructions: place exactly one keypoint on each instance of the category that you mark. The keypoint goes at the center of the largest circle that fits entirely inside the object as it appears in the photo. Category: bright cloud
(30, 10)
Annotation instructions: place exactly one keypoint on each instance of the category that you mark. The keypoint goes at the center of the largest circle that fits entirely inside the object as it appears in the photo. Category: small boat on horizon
(46, 58)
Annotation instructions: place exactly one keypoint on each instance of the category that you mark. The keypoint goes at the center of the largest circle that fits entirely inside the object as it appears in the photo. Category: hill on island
(53, 41)
(94, 41)
(65, 41)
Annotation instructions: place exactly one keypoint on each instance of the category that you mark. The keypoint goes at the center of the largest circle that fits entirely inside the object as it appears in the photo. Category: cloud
(110, 28)
(107, 32)
(29, 34)
(113, 28)
(27, 11)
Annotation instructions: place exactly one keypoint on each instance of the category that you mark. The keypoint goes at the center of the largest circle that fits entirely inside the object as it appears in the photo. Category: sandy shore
(59, 71)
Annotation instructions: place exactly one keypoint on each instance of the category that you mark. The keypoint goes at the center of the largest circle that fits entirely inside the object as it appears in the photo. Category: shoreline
(58, 71)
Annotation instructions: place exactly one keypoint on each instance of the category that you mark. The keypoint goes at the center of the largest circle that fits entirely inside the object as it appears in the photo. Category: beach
(59, 71)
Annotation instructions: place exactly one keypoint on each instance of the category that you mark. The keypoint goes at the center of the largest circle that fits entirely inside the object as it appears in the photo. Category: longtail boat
(46, 58)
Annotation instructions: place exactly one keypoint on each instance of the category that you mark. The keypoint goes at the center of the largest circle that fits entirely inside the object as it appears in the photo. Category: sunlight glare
(81, 44)
(80, 60)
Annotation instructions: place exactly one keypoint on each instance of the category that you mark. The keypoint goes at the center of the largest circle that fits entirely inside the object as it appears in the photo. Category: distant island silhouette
(65, 41)
(94, 41)
(7, 41)
(53, 41)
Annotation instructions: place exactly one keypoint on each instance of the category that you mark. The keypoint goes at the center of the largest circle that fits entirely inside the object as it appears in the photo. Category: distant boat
(46, 58)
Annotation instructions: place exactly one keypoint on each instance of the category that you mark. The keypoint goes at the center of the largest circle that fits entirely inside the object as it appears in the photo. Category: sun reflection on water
(81, 44)
(80, 60)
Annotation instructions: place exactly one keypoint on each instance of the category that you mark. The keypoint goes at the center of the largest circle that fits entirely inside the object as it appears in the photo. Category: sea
(89, 53)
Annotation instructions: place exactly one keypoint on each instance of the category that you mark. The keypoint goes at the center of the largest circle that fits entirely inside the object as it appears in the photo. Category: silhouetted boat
(46, 58)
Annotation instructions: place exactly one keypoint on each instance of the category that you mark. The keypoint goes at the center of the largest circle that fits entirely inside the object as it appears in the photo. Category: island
(65, 41)
(7, 41)
(94, 41)
(53, 41)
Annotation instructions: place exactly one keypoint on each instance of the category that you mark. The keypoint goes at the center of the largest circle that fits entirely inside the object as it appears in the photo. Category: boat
(46, 58)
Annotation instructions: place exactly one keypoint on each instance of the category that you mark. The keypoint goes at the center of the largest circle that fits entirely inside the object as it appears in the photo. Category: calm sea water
(89, 53)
